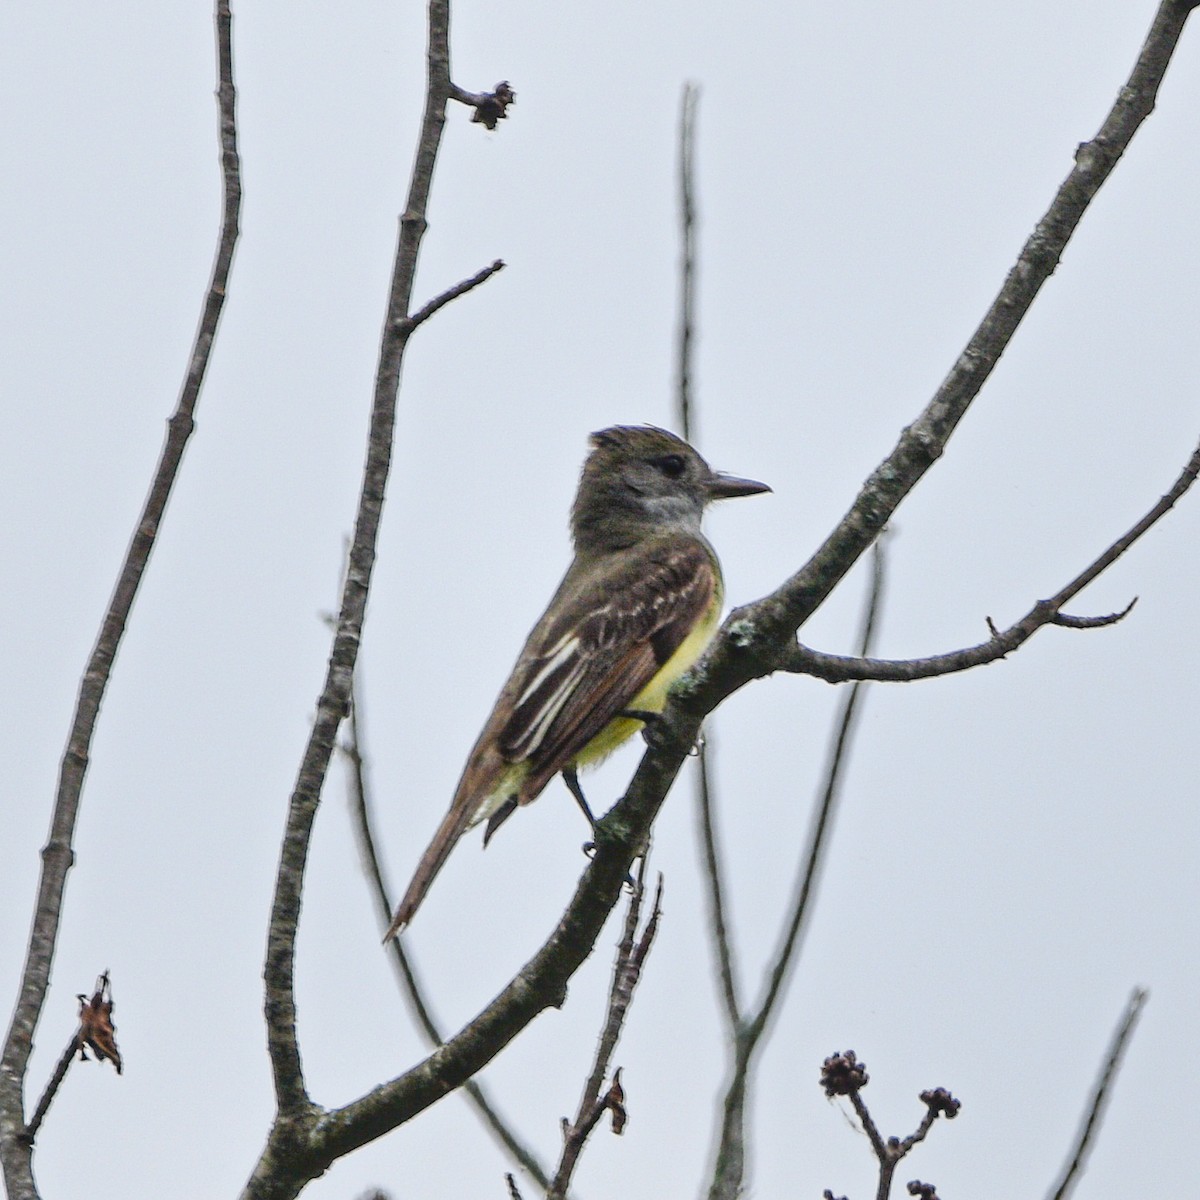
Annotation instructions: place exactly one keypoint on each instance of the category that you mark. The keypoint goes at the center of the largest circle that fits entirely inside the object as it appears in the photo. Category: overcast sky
(1017, 845)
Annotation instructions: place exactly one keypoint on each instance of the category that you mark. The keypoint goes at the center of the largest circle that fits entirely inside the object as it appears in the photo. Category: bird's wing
(580, 668)
(606, 646)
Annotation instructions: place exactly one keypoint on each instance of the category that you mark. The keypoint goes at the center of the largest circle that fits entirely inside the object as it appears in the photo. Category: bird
(637, 607)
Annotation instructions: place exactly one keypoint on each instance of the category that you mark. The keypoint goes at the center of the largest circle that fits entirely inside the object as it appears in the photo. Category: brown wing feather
(624, 628)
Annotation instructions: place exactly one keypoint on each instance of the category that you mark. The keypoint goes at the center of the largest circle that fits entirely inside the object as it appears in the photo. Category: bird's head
(639, 479)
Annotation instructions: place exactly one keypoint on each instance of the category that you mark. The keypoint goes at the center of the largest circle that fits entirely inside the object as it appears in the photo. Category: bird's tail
(466, 810)
(457, 821)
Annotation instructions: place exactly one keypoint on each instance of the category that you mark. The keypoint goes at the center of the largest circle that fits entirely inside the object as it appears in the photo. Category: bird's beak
(726, 487)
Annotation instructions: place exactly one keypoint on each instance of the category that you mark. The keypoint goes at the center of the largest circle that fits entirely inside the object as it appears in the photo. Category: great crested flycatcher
(637, 607)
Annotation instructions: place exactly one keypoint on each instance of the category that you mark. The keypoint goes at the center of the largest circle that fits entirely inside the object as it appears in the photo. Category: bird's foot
(651, 724)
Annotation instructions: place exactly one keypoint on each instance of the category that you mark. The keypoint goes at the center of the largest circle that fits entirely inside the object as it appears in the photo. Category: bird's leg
(571, 779)
(639, 714)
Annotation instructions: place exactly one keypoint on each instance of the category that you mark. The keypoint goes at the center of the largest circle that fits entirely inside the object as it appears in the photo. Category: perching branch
(361, 807)
(753, 638)
(748, 647)
(58, 854)
(1073, 1171)
(835, 668)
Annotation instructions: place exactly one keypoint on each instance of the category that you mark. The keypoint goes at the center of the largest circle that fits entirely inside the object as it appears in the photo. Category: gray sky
(1016, 847)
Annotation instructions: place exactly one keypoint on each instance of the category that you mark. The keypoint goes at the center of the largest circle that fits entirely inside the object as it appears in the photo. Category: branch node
(490, 107)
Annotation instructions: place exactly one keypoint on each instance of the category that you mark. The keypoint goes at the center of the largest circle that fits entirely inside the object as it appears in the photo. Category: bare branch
(627, 970)
(291, 1156)
(65, 1059)
(823, 820)
(841, 668)
(754, 637)
(361, 808)
(722, 946)
(684, 414)
(58, 854)
(730, 1162)
(845, 1075)
(459, 289)
(748, 646)
(332, 704)
(1090, 1126)
(687, 258)
(835, 668)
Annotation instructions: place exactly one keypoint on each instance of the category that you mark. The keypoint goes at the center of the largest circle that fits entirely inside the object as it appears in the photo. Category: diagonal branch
(65, 1059)
(452, 293)
(747, 647)
(713, 873)
(753, 637)
(58, 854)
(836, 668)
(1100, 1094)
(823, 822)
(730, 1162)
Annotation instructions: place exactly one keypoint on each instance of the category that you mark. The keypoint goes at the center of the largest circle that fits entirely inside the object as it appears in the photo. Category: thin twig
(730, 1162)
(58, 854)
(52, 1085)
(713, 872)
(687, 258)
(823, 823)
(631, 955)
(869, 1126)
(452, 293)
(835, 668)
(360, 809)
(685, 419)
(1090, 1125)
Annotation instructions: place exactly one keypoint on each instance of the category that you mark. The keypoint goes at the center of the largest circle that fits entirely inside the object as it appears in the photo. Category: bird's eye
(671, 465)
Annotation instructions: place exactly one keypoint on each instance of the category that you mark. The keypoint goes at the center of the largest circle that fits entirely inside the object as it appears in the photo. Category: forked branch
(749, 646)
(836, 668)
(294, 1153)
